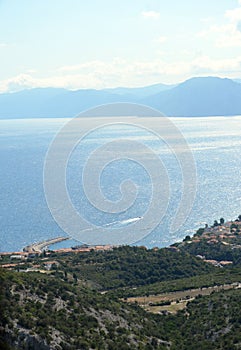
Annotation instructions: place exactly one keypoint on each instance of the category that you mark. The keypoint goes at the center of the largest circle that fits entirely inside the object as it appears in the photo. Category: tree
(75, 277)
(199, 232)
(222, 221)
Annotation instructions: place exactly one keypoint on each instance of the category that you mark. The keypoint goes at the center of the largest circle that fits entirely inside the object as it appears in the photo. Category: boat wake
(118, 223)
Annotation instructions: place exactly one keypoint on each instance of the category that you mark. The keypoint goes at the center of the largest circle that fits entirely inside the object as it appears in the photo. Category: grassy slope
(133, 266)
(45, 310)
(59, 311)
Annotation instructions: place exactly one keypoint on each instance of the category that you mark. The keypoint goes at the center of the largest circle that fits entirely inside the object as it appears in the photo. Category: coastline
(41, 247)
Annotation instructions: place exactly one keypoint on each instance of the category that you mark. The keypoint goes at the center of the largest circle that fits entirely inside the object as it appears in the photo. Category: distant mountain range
(208, 96)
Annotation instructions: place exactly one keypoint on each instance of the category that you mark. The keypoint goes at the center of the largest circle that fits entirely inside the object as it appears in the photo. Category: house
(49, 264)
(17, 256)
(225, 263)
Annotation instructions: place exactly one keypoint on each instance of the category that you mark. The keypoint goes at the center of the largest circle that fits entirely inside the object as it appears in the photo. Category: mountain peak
(198, 96)
(205, 81)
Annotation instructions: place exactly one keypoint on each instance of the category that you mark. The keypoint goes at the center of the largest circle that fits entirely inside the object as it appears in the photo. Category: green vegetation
(217, 251)
(132, 266)
(45, 310)
(78, 305)
(220, 242)
(209, 322)
(217, 278)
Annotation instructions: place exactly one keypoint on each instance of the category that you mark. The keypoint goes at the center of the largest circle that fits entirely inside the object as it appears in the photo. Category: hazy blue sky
(106, 43)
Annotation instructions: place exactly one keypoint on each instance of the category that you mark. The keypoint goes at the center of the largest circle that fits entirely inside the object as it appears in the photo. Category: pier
(39, 247)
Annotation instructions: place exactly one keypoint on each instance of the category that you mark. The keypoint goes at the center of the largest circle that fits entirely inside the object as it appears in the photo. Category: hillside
(208, 96)
(47, 313)
(132, 266)
(141, 92)
(127, 297)
(50, 102)
(66, 307)
(196, 97)
(219, 244)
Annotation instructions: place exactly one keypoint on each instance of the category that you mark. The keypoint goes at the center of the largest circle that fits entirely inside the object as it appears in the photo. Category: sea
(25, 216)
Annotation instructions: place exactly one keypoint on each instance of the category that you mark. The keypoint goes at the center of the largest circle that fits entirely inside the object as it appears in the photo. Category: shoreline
(40, 247)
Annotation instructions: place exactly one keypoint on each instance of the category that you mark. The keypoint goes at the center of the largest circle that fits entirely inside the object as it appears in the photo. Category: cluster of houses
(18, 259)
(216, 263)
(224, 233)
(228, 233)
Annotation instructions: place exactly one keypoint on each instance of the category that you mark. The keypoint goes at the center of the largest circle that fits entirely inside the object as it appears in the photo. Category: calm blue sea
(24, 214)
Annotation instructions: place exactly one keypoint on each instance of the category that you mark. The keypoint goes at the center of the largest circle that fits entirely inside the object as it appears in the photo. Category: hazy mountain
(199, 97)
(50, 102)
(141, 92)
(194, 97)
(29, 103)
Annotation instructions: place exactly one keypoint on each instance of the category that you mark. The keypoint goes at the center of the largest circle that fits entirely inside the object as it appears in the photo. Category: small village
(226, 233)
(40, 251)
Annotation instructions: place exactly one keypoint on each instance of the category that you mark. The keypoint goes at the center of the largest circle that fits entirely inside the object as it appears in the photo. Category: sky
(98, 44)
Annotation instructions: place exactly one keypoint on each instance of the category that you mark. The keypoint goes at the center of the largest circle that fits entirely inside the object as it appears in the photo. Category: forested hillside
(78, 303)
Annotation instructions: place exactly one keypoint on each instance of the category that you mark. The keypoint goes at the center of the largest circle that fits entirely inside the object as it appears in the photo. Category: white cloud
(231, 37)
(31, 71)
(99, 74)
(87, 66)
(206, 19)
(161, 39)
(234, 15)
(3, 45)
(17, 83)
(119, 72)
(216, 66)
(227, 34)
(151, 14)
(203, 33)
